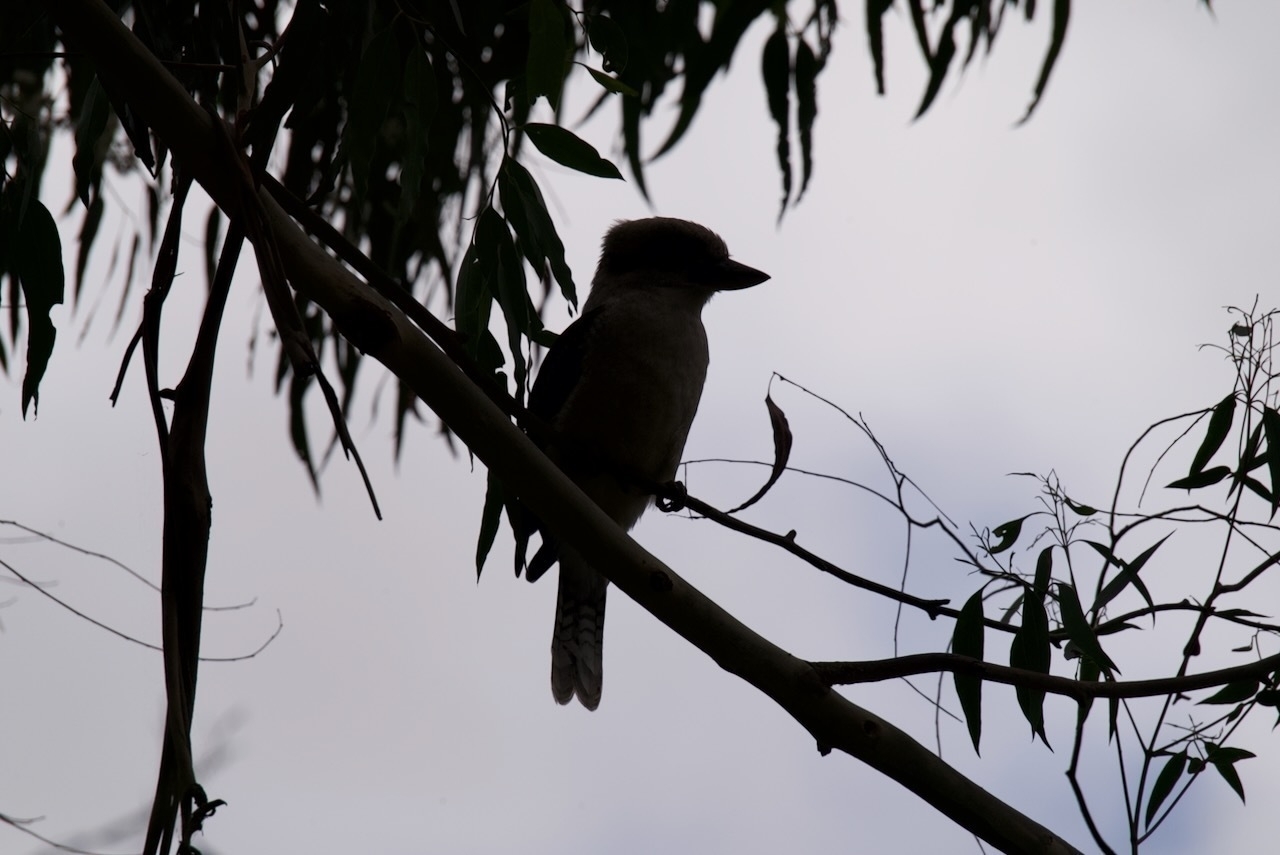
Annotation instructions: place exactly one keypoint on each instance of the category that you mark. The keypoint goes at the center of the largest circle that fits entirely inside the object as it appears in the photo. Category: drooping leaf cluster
(400, 123)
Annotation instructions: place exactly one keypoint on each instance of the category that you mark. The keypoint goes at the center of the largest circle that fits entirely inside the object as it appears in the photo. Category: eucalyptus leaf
(37, 260)
(568, 149)
(1079, 630)
(967, 640)
(1165, 782)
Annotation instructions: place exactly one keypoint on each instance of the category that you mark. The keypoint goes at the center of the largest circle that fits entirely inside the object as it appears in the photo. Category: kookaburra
(619, 390)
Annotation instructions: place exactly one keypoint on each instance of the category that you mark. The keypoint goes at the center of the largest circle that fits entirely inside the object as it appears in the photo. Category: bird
(618, 391)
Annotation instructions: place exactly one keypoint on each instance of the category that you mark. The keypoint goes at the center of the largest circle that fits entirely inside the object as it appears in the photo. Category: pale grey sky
(992, 299)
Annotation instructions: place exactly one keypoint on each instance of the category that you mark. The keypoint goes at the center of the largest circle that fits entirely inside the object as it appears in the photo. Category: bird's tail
(577, 642)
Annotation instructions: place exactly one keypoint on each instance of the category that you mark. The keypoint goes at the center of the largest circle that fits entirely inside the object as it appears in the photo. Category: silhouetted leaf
(88, 231)
(548, 52)
(90, 126)
(781, 451)
(298, 385)
(513, 296)
(1127, 574)
(524, 206)
(1271, 427)
(1237, 613)
(1250, 460)
(1103, 550)
(568, 149)
(940, 61)
(37, 260)
(378, 74)
(1165, 782)
(967, 640)
(612, 84)
(1030, 651)
(1233, 778)
(1013, 608)
(806, 77)
(136, 128)
(1207, 478)
(419, 108)
(1082, 510)
(128, 280)
(1256, 488)
(632, 111)
(1215, 753)
(775, 65)
(490, 519)
(211, 228)
(1089, 672)
(1044, 572)
(153, 212)
(1079, 630)
(473, 300)
(608, 40)
(1233, 693)
(704, 63)
(875, 36)
(1219, 427)
(1008, 534)
(1061, 17)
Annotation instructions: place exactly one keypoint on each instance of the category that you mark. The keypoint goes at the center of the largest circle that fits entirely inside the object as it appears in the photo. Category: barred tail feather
(577, 642)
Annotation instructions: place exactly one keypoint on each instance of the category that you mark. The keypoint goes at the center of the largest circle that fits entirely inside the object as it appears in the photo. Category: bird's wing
(556, 379)
(562, 368)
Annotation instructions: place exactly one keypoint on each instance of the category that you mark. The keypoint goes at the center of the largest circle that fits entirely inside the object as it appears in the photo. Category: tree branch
(848, 673)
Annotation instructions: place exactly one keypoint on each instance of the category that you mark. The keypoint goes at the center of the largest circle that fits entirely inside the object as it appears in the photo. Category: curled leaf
(781, 451)
(1079, 509)
(1008, 534)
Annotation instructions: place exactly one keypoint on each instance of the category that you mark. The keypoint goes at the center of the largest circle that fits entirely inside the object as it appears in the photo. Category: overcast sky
(992, 299)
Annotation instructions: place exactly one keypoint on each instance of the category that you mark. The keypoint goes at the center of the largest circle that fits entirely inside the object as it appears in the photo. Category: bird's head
(668, 251)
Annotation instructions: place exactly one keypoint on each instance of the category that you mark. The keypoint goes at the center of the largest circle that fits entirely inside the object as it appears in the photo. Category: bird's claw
(672, 497)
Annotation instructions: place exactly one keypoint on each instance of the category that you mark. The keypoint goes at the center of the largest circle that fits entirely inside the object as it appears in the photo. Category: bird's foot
(671, 497)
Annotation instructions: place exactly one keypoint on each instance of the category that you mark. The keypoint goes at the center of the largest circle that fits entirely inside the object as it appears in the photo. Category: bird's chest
(640, 389)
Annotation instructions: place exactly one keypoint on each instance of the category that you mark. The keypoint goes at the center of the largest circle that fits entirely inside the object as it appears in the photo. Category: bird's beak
(733, 276)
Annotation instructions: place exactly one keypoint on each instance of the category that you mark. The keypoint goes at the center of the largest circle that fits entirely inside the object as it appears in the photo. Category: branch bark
(382, 331)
